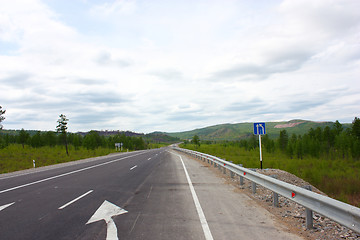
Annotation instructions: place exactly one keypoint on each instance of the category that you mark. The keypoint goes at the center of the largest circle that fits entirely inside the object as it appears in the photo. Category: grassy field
(15, 157)
(338, 178)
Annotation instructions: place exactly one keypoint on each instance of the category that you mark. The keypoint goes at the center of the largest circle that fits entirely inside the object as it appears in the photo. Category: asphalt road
(154, 194)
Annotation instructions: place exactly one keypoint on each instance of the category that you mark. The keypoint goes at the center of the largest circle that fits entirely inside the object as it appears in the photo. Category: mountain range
(221, 132)
(239, 131)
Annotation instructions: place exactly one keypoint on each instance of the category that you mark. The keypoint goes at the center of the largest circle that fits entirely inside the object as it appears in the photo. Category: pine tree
(61, 128)
(283, 140)
(338, 127)
(356, 128)
(2, 118)
(23, 137)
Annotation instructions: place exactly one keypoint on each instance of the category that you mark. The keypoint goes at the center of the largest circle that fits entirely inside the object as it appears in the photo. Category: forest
(18, 149)
(330, 142)
(90, 141)
(328, 158)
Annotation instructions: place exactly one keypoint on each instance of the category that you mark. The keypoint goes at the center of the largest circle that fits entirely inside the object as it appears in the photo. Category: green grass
(339, 178)
(15, 157)
(157, 145)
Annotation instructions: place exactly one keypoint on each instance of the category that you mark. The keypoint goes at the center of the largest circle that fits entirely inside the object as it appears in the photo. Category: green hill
(239, 131)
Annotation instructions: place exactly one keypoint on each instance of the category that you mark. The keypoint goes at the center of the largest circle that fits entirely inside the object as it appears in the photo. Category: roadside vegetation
(328, 158)
(14, 157)
(18, 149)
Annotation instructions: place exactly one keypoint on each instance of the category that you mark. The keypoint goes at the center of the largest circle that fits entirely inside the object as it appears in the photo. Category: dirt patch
(288, 125)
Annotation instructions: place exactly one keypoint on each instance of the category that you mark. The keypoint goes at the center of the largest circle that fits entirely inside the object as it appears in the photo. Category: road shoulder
(230, 213)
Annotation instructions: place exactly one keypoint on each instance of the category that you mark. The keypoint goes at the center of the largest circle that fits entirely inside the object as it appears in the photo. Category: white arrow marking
(5, 206)
(105, 212)
(263, 130)
(257, 126)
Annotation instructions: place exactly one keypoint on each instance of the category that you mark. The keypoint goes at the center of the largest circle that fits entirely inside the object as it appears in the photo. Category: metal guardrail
(345, 214)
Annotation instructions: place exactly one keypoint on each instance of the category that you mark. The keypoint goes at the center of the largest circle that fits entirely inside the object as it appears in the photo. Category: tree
(92, 140)
(23, 137)
(2, 118)
(77, 141)
(196, 140)
(283, 140)
(61, 128)
(356, 128)
(49, 138)
(338, 127)
(36, 140)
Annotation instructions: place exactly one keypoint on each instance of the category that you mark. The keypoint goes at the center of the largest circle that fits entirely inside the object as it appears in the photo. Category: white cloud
(107, 9)
(171, 66)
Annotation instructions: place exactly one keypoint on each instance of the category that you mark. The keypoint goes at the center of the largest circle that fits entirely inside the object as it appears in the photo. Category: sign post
(119, 147)
(259, 129)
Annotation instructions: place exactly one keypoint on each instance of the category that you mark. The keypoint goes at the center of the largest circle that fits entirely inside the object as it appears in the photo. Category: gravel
(290, 213)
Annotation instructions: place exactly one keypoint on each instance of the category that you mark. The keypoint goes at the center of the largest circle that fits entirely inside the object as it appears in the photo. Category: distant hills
(221, 132)
(155, 137)
(239, 131)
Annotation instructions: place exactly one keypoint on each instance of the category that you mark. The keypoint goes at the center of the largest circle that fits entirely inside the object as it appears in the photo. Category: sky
(177, 65)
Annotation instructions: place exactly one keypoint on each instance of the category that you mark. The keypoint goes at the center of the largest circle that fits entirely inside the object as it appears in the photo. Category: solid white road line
(204, 224)
(67, 204)
(133, 167)
(5, 206)
(68, 173)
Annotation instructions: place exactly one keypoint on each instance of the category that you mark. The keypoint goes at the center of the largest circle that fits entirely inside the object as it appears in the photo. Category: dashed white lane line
(5, 206)
(204, 224)
(68, 173)
(133, 167)
(67, 204)
(149, 159)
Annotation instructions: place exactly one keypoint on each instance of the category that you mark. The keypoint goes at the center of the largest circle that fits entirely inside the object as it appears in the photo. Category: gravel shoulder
(288, 213)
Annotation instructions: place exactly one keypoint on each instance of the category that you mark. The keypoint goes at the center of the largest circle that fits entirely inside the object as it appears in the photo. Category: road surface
(152, 194)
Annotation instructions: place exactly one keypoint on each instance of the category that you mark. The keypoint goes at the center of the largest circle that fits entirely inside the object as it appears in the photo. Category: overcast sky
(160, 65)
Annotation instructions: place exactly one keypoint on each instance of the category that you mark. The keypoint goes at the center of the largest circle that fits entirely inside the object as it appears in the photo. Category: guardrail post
(253, 184)
(253, 187)
(309, 213)
(276, 196)
(241, 177)
(241, 180)
(224, 169)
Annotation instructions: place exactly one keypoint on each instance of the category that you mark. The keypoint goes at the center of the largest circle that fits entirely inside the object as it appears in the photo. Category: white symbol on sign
(260, 125)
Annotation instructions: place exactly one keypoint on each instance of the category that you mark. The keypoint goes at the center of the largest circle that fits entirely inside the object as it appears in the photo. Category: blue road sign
(259, 128)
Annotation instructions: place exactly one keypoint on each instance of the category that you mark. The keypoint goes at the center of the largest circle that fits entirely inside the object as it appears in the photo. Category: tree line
(331, 142)
(92, 140)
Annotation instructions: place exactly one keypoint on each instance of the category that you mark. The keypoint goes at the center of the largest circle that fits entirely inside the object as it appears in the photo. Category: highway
(152, 194)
